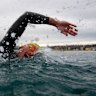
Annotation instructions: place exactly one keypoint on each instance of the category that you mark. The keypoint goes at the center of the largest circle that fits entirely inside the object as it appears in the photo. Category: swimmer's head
(34, 45)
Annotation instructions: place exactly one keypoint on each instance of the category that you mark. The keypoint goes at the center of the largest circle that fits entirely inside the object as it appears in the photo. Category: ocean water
(49, 73)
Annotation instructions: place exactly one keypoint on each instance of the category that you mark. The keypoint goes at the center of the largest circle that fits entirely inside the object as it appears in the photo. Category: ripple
(51, 74)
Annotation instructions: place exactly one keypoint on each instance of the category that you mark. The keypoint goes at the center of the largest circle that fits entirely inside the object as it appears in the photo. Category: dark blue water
(50, 73)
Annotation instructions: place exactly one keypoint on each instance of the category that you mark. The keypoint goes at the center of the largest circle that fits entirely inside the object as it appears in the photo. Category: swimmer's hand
(65, 27)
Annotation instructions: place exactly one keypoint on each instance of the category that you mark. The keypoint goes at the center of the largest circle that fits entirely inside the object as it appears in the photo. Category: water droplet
(25, 18)
(1, 49)
(27, 14)
(16, 41)
(31, 25)
(6, 34)
(44, 18)
(7, 43)
(42, 22)
(37, 21)
(4, 29)
(13, 34)
(28, 20)
(22, 22)
(3, 41)
(20, 26)
(36, 39)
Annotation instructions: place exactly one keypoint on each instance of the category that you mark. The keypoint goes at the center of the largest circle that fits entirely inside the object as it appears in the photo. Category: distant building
(75, 47)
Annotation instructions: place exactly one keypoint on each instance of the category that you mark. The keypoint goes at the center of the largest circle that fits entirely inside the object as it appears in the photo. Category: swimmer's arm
(65, 27)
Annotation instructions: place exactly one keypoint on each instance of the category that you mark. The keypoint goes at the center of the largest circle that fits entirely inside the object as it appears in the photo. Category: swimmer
(8, 43)
(27, 50)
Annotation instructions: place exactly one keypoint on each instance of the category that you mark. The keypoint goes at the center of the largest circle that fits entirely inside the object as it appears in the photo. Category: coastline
(74, 47)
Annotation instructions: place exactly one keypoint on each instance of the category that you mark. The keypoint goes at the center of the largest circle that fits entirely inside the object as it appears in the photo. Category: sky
(80, 12)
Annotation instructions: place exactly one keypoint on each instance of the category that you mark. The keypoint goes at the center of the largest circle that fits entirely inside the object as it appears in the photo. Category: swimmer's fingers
(71, 24)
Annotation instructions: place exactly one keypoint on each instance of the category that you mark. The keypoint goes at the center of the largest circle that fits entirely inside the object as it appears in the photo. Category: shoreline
(74, 47)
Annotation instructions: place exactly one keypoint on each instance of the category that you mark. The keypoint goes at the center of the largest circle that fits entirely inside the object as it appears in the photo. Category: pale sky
(80, 12)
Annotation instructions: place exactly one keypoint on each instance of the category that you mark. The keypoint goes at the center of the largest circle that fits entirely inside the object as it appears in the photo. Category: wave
(49, 73)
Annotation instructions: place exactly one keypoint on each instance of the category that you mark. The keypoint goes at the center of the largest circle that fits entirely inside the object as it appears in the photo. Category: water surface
(50, 73)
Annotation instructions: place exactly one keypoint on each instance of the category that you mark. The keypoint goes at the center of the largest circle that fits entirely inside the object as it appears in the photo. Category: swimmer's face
(27, 50)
